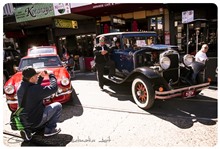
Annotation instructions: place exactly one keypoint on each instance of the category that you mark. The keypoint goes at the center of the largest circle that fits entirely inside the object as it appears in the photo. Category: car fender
(151, 75)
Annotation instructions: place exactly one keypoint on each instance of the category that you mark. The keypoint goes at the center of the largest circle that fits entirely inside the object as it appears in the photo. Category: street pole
(197, 39)
(187, 38)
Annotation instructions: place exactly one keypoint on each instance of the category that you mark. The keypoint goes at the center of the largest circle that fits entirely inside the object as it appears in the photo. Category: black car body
(156, 71)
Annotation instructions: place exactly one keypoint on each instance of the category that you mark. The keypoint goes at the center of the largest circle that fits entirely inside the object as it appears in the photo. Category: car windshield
(40, 62)
(42, 50)
(138, 41)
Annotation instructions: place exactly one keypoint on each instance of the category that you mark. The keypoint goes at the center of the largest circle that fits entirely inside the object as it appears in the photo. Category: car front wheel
(143, 92)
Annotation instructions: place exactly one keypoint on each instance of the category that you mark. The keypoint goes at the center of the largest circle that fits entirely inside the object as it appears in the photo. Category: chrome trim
(178, 92)
(52, 96)
(12, 101)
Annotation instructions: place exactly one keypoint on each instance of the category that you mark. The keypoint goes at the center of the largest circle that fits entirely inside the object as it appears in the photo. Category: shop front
(193, 25)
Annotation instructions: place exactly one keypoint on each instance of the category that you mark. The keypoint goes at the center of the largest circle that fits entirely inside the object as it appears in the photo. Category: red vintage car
(41, 61)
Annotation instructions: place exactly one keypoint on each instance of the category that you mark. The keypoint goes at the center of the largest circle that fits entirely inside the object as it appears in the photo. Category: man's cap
(102, 39)
(28, 72)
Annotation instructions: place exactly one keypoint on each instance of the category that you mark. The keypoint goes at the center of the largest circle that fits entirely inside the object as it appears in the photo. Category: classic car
(41, 62)
(155, 71)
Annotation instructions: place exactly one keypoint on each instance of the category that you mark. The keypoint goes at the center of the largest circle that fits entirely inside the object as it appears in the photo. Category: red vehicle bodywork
(64, 91)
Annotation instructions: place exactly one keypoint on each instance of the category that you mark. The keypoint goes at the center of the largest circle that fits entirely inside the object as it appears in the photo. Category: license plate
(189, 93)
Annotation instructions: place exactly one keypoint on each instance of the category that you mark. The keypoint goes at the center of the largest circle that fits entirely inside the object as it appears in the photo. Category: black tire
(143, 92)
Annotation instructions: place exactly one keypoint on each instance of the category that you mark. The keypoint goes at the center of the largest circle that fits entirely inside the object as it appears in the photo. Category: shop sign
(34, 12)
(62, 23)
(118, 20)
(187, 16)
(97, 5)
(61, 8)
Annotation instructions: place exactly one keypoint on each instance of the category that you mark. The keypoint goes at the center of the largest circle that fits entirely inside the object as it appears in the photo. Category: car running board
(116, 80)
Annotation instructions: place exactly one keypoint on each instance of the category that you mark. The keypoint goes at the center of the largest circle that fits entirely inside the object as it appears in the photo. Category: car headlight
(165, 62)
(65, 81)
(188, 59)
(9, 89)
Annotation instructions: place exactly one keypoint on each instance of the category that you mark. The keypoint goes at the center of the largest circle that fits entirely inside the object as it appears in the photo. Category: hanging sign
(187, 16)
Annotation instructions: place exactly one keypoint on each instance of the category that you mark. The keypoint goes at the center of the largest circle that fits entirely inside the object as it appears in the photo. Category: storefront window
(156, 24)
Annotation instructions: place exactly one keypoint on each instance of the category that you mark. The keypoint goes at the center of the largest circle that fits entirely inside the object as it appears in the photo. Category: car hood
(59, 73)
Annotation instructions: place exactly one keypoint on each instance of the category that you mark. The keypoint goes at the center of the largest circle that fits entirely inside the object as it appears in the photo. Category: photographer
(38, 114)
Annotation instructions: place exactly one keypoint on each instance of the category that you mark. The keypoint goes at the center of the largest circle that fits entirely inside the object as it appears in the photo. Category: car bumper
(57, 95)
(180, 91)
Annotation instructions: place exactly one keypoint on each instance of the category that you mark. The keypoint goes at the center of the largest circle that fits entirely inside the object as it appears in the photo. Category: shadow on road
(57, 140)
(71, 108)
(184, 113)
(181, 112)
(85, 76)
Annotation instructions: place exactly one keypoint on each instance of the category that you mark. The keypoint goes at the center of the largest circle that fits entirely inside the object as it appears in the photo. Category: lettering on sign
(61, 23)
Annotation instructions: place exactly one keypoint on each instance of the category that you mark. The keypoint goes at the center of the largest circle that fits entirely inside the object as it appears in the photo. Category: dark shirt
(99, 58)
(34, 106)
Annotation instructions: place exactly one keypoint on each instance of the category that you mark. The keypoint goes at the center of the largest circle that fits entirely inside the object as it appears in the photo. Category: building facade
(96, 18)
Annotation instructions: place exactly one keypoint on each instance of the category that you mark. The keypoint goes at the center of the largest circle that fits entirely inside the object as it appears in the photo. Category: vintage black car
(156, 71)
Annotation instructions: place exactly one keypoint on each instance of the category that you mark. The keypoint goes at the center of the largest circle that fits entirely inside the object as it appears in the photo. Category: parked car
(45, 61)
(155, 71)
(11, 60)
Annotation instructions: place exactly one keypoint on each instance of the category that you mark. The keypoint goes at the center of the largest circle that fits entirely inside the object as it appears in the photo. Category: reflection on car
(155, 71)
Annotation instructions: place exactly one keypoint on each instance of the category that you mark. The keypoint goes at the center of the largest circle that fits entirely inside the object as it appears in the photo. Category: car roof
(161, 46)
(42, 50)
(125, 33)
(38, 55)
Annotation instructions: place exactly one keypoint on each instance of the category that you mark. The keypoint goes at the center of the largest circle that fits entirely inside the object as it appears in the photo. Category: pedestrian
(70, 62)
(65, 53)
(70, 65)
(102, 59)
(201, 54)
(38, 114)
(117, 45)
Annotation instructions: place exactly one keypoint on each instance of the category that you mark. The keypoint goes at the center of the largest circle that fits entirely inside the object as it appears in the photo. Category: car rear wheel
(143, 92)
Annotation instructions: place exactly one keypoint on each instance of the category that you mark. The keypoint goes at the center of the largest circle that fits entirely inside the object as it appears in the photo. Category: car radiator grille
(173, 72)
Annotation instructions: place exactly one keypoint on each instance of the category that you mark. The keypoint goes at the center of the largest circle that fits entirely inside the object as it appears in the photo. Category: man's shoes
(26, 135)
(52, 132)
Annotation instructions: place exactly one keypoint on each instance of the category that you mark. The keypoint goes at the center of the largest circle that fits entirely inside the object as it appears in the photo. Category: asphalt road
(111, 118)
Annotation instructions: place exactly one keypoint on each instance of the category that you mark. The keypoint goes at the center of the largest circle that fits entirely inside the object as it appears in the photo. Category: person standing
(201, 54)
(65, 52)
(101, 57)
(117, 45)
(38, 114)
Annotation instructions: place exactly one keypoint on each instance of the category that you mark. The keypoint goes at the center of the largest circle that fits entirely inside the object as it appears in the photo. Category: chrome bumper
(8, 101)
(178, 92)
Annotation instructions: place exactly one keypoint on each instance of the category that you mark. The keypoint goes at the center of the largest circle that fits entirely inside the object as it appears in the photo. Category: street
(110, 118)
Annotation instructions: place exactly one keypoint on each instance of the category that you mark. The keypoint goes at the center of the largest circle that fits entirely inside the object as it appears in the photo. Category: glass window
(156, 24)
